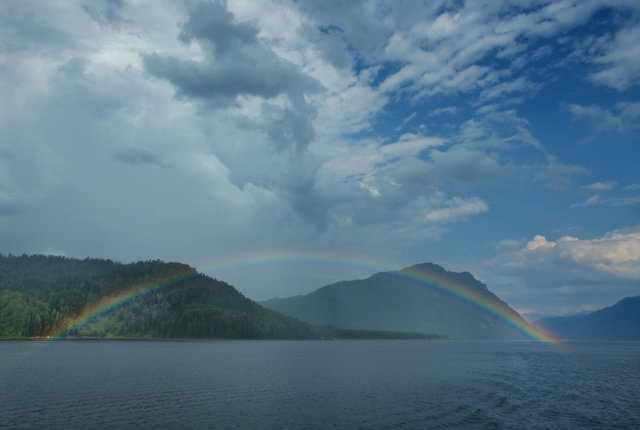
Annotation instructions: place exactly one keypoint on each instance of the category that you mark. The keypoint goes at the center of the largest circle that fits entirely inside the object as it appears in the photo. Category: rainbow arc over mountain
(112, 304)
(450, 287)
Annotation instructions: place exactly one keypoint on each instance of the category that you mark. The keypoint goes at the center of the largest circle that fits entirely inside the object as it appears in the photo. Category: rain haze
(282, 145)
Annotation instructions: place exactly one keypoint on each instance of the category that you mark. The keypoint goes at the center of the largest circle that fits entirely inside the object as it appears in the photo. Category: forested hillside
(43, 295)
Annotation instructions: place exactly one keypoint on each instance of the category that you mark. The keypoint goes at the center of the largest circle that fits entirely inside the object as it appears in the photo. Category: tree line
(40, 295)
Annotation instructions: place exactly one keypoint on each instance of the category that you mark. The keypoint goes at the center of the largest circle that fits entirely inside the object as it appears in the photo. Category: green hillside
(42, 295)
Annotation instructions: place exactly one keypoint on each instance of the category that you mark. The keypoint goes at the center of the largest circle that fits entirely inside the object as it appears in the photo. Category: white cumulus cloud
(616, 255)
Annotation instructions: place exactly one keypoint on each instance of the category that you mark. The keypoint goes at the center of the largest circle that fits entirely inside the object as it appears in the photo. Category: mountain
(422, 298)
(42, 295)
(57, 296)
(618, 322)
(530, 318)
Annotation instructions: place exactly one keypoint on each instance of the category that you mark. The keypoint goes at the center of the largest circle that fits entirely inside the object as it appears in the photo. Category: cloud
(301, 189)
(23, 28)
(371, 183)
(445, 110)
(106, 12)
(137, 156)
(616, 255)
(623, 201)
(29, 171)
(355, 22)
(496, 129)
(516, 128)
(365, 157)
(393, 187)
(218, 82)
(456, 209)
(473, 166)
(330, 44)
(212, 22)
(405, 121)
(409, 176)
(611, 201)
(569, 272)
(277, 121)
(630, 112)
(601, 119)
(81, 87)
(593, 200)
(499, 91)
(286, 128)
(236, 64)
(619, 60)
(539, 242)
(509, 244)
(556, 175)
(410, 144)
(601, 186)
(441, 52)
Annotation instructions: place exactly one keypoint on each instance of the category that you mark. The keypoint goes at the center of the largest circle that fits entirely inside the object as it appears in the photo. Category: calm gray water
(318, 384)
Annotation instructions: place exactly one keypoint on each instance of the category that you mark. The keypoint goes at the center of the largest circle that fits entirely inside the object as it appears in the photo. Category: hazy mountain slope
(391, 301)
(618, 322)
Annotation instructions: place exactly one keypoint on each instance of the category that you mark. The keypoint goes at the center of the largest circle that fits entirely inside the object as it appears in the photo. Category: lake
(319, 384)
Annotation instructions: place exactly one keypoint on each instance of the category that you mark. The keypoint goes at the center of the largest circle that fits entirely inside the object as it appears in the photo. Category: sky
(284, 145)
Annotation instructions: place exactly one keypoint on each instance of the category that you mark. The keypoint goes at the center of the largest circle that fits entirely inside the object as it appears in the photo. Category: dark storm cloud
(286, 127)
(23, 28)
(219, 81)
(236, 64)
(211, 22)
(325, 201)
(83, 92)
(74, 68)
(300, 188)
(29, 170)
(106, 13)
(137, 156)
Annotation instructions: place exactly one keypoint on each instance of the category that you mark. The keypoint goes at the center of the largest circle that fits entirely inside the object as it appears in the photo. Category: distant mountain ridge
(614, 323)
(399, 301)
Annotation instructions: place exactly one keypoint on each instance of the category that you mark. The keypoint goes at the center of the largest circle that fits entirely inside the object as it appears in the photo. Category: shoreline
(177, 339)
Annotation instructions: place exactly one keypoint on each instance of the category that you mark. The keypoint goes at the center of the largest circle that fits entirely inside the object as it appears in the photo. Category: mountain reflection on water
(319, 384)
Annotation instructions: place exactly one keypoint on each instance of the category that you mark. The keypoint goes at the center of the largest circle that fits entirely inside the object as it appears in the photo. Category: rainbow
(112, 304)
(446, 286)
(243, 262)
(479, 301)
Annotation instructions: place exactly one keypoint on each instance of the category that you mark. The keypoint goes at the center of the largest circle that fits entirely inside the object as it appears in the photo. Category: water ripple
(315, 384)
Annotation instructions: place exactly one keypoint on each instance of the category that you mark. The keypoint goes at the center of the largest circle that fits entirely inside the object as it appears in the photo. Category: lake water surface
(319, 384)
